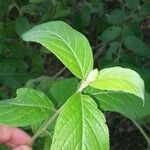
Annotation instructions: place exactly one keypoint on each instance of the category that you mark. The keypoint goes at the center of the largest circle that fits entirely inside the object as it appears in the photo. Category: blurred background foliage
(118, 31)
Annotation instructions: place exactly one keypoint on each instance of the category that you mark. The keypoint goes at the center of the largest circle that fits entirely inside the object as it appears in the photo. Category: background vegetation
(118, 31)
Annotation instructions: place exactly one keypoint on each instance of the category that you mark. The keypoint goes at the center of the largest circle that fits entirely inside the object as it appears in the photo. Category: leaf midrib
(26, 105)
(82, 120)
(113, 92)
(128, 81)
(59, 37)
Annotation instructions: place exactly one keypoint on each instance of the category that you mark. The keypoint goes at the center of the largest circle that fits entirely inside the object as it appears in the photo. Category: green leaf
(28, 107)
(48, 142)
(47, 132)
(110, 34)
(146, 110)
(21, 25)
(61, 90)
(7, 31)
(5, 7)
(124, 103)
(2, 147)
(2, 48)
(42, 83)
(137, 46)
(30, 9)
(117, 16)
(132, 29)
(146, 9)
(119, 89)
(58, 90)
(13, 73)
(120, 79)
(81, 126)
(70, 46)
(17, 50)
(113, 48)
(132, 4)
(144, 73)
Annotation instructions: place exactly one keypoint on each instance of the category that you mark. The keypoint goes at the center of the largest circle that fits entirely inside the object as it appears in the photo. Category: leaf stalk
(45, 125)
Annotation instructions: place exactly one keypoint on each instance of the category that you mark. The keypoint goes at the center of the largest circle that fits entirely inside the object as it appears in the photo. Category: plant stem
(120, 46)
(135, 11)
(16, 5)
(100, 49)
(45, 125)
(60, 72)
(142, 132)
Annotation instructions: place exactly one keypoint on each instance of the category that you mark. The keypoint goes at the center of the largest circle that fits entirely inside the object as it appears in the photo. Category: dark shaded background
(119, 34)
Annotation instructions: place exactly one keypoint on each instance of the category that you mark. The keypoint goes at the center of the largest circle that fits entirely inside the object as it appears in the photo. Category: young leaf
(28, 107)
(110, 34)
(80, 126)
(120, 79)
(70, 46)
(118, 89)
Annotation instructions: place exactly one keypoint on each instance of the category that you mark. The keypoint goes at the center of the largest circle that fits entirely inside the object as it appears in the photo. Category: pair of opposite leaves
(80, 124)
(73, 50)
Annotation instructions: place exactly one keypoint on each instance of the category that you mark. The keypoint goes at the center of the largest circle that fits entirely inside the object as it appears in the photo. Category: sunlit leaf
(119, 89)
(80, 126)
(28, 107)
(70, 46)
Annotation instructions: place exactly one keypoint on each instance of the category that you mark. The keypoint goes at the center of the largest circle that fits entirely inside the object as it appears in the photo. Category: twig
(120, 46)
(143, 133)
(122, 34)
(100, 50)
(60, 72)
(133, 12)
(45, 125)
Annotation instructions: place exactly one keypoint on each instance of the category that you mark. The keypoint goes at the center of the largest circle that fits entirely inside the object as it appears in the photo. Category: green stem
(45, 125)
(16, 5)
(120, 46)
(142, 132)
(60, 72)
(135, 11)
